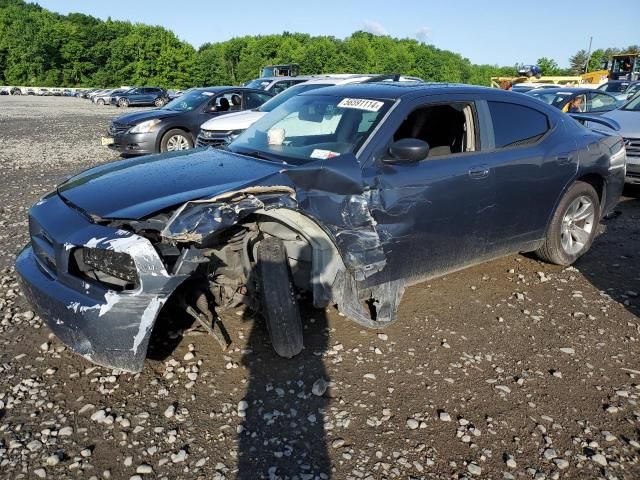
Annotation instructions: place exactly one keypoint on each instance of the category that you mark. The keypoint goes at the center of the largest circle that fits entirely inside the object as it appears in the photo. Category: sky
(492, 32)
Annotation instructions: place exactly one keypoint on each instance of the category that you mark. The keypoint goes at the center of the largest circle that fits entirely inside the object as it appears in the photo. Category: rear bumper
(107, 327)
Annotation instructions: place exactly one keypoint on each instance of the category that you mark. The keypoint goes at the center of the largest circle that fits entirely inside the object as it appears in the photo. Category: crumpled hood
(136, 188)
(139, 117)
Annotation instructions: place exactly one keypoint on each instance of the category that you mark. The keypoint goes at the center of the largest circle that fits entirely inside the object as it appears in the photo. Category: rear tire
(279, 303)
(100, 101)
(573, 226)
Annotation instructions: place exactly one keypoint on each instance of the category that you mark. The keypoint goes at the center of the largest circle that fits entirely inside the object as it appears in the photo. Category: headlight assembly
(107, 266)
(146, 127)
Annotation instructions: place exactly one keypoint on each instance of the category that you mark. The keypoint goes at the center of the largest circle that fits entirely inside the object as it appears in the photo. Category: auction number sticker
(361, 104)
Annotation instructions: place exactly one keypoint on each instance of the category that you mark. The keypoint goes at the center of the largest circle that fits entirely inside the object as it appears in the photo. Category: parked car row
(211, 116)
(129, 96)
(175, 126)
(42, 92)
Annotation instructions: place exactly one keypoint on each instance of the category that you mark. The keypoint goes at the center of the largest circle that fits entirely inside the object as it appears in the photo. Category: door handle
(563, 158)
(479, 171)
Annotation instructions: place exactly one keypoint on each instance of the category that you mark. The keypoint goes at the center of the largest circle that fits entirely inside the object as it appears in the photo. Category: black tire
(123, 102)
(553, 250)
(100, 101)
(279, 303)
(176, 133)
(158, 102)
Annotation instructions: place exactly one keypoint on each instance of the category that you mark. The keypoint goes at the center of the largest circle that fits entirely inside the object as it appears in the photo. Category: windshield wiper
(260, 155)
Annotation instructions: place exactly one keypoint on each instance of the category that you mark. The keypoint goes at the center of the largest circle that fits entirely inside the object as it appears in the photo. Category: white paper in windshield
(323, 154)
(361, 104)
(208, 94)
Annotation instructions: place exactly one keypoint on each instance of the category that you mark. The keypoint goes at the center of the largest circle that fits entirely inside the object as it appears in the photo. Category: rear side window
(515, 125)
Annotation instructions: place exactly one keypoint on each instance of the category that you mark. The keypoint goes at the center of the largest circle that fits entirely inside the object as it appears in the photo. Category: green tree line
(39, 47)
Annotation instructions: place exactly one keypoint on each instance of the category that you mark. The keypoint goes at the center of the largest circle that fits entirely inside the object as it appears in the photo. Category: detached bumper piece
(105, 312)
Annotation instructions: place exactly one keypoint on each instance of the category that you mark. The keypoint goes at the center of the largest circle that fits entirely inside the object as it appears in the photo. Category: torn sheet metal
(331, 193)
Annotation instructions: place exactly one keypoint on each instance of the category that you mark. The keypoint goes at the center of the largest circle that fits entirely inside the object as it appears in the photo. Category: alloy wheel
(177, 142)
(577, 224)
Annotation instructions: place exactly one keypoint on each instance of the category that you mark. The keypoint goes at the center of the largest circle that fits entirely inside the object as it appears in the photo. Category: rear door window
(515, 125)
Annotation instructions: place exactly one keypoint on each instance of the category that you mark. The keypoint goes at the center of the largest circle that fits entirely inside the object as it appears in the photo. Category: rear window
(618, 87)
(515, 125)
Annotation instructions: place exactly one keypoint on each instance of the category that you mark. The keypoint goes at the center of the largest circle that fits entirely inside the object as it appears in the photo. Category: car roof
(221, 88)
(273, 79)
(396, 90)
(336, 79)
(580, 90)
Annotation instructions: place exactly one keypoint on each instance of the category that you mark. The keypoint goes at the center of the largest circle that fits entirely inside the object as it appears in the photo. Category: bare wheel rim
(158, 102)
(177, 142)
(577, 225)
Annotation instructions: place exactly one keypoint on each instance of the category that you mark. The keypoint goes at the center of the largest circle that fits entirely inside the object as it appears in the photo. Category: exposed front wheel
(158, 102)
(279, 303)
(175, 140)
(100, 101)
(573, 226)
(123, 102)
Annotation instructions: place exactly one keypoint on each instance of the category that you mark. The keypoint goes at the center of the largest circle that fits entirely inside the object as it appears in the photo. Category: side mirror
(408, 150)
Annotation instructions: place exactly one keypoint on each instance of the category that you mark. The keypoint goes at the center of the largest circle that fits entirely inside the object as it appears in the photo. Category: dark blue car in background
(141, 96)
(350, 193)
(175, 126)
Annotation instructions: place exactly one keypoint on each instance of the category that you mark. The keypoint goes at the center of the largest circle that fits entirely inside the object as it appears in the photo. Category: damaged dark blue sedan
(349, 193)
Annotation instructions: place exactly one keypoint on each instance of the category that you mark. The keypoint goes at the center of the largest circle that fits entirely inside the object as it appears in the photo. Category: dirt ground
(511, 369)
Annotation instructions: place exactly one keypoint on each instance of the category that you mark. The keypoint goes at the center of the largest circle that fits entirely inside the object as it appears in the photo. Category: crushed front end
(99, 288)
(99, 268)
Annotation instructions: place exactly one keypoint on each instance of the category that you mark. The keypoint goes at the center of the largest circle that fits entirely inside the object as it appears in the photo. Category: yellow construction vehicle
(565, 81)
(586, 79)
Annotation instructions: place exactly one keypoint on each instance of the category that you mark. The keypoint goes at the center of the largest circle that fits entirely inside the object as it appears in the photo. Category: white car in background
(276, 85)
(221, 130)
(104, 97)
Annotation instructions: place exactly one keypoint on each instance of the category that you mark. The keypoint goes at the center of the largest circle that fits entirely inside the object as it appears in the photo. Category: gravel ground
(512, 369)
